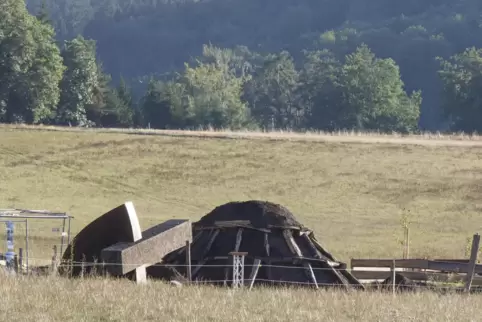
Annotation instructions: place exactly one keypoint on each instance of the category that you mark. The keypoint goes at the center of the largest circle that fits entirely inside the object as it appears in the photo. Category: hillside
(355, 192)
(140, 38)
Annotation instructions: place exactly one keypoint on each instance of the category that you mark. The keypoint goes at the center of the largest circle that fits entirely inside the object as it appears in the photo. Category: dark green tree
(272, 93)
(30, 66)
(462, 90)
(80, 84)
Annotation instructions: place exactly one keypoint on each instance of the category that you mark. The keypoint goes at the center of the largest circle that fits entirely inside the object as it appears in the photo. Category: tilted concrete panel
(157, 242)
(118, 225)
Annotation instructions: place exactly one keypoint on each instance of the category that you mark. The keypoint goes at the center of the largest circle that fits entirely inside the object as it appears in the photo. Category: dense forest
(382, 65)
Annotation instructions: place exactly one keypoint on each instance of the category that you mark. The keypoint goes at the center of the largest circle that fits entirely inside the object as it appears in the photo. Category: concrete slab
(156, 242)
(118, 225)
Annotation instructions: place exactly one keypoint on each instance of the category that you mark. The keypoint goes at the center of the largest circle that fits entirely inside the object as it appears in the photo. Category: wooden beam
(188, 260)
(401, 263)
(210, 243)
(315, 252)
(197, 268)
(453, 267)
(312, 274)
(254, 272)
(266, 244)
(416, 276)
(473, 259)
(231, 226)
(232, 222)
(291, 243)
(440, 265)
(239, 237)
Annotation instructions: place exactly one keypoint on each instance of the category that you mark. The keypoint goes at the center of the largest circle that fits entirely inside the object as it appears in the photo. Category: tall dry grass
(352, 190)
(56, 299)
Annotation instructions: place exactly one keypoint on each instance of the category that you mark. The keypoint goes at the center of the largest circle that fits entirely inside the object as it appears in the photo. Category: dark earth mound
(402, 283)
(261, 214)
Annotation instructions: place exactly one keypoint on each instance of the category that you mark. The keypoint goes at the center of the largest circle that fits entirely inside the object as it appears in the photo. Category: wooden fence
(466, 271)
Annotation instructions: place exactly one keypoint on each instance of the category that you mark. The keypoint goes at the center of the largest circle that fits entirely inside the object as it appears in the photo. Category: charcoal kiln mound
(402, 283)
(280, 250)
(259, 214)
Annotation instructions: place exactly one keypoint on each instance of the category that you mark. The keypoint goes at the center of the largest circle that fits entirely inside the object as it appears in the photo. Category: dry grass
(52, 299)
(352, 190)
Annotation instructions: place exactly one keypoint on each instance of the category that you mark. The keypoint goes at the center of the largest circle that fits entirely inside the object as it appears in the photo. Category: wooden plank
(232, 222)
(266, 244)
(211, 241)
(254, 272)
(416, 276)
(197, 268)
(239, 237)
(393, 272)
(315, 252)
(400, 263)
(20, 258)
(453, 267)
(231, 226)
(473, 259)
(311, 273)
(188, 260)
(291, 243)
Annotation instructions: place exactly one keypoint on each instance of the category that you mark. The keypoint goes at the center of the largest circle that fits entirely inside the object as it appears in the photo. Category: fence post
(20, 259)
(188, 260)
(473, 260)
(407, 243)
(54, 260)
(393, 276)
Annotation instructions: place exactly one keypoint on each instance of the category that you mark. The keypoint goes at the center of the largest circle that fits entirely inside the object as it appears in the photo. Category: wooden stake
(312, 274)
(54, 260)
(266, 243)
(408, 242)
(393, 276)
(473, 260)
(20, 258)
(188, 260)
(239, 237)
(15, 263)
(254, 272)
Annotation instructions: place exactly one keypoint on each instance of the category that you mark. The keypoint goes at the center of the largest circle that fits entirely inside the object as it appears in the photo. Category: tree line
(331, 87)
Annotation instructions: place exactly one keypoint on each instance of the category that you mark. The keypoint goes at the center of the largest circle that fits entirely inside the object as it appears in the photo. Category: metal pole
(9, 255)
(238, 268)
(68, 236)
(188, 260)
(26, 245)
(62, 236)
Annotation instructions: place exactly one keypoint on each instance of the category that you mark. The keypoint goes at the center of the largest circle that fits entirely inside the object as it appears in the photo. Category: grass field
(352, 190)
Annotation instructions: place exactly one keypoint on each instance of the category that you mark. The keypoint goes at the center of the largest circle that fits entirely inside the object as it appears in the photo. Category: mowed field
(353, 191)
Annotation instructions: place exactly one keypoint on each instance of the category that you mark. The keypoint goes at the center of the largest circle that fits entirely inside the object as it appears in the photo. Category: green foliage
(462, 84)
(212, 96)
(373, 95)
(30, 66)
(80, 81)
(272, 93)
(311, 64)
(162, 105)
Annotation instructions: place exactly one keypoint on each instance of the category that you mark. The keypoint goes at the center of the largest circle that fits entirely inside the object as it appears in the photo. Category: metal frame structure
(238, 268)
(23, 215)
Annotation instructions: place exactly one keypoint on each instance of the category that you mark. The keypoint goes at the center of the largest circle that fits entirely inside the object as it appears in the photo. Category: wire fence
(285, 280)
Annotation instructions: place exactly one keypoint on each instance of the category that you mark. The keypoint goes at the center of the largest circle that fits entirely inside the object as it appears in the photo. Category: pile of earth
(260, 214)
